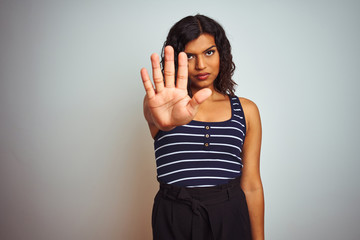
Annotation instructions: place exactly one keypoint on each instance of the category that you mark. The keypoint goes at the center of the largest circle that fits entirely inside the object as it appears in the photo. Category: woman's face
(203, 61)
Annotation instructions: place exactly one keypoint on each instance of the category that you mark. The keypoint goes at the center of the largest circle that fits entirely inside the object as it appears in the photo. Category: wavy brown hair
(190, 28)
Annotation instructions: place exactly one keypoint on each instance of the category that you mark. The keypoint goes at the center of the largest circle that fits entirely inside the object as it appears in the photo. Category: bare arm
(167, 106)
(250, 180)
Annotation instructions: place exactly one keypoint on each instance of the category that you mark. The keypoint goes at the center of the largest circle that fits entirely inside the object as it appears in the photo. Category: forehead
(200, 44)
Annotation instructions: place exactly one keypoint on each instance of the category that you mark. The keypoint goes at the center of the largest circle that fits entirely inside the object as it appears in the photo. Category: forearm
(255, 202)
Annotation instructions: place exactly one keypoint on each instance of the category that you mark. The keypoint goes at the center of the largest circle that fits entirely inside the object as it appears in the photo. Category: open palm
(169, 105)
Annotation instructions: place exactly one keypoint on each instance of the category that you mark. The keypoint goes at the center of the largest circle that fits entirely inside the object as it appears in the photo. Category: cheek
(216, 65)
(191, 67)
(215, 62)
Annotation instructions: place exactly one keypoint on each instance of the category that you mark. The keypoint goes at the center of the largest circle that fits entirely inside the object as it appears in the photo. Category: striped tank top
(202, 154)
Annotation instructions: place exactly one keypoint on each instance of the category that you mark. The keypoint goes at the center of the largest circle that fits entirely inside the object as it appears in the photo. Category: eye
(190, 56)
(209, 53)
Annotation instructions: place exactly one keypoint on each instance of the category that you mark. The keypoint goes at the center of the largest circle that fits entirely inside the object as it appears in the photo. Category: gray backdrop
(76, 155)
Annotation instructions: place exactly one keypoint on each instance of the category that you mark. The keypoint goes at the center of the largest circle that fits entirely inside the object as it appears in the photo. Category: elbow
(252, 186)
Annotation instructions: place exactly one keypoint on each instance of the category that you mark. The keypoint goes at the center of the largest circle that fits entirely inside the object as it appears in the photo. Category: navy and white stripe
(202, 154)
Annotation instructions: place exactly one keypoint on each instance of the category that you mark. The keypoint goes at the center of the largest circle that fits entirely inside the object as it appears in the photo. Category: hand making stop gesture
(168, 106)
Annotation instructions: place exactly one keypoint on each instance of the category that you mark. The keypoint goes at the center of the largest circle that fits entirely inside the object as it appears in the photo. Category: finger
(157, 74)
(182, 76)
(198, 98)
(169, 69)
(149, 88)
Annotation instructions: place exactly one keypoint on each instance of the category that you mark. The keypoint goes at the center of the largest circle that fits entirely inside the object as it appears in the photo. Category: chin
(202, 84)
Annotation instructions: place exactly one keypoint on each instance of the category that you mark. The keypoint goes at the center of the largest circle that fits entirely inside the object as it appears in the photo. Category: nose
(200, 63)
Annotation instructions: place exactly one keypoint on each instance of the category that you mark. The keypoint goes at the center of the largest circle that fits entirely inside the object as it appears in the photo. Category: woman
(207, 141)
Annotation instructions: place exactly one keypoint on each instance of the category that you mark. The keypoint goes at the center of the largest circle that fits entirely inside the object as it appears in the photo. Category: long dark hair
(190, 28)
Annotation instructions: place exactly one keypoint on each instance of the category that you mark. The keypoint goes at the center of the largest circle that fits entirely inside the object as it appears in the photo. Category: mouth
(202, 76)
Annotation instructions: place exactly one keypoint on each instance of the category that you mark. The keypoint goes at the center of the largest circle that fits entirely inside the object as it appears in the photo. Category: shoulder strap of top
(238, 112)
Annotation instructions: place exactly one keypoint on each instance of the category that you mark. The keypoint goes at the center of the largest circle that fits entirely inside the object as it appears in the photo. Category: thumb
(198, 98)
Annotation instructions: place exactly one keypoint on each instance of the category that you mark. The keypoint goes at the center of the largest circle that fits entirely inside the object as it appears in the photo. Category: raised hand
(168, 106)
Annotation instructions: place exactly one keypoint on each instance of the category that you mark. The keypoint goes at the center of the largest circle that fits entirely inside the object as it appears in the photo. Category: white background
(77, 159)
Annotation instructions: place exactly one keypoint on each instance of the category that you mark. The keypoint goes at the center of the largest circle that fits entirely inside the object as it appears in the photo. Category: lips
(202, 76)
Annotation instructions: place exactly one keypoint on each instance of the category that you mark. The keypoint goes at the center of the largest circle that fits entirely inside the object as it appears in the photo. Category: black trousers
(209, 213)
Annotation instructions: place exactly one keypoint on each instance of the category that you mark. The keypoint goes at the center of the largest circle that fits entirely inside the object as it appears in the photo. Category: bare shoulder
(249, 107)
(251, 112)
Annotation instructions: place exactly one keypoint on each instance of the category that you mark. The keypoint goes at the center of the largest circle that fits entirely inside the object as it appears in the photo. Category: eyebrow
(204, 50)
